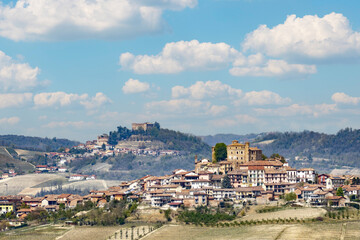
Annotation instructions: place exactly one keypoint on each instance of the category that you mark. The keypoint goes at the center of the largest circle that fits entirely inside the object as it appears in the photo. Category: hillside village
(243, 177)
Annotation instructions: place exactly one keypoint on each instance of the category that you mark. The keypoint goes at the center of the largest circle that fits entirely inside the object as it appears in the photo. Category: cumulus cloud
(135, 86)
(57, 98)
(178, 105)
(15, 76)
(68, 19)
(209, 89)
(9, 121)
(343, 98)
(99, 100)
(14, 99)
(217, 109)
(310, 37)
(217, 89)
(264, 97)
(180, 56)
(273, 68)
(297, 109)
(65, 99)
(185, 106)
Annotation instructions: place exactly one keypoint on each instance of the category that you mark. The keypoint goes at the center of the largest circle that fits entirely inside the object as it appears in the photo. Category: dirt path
(280, 233)
(343, 231)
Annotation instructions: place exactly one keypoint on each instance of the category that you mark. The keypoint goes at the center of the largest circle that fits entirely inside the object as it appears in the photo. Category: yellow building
(239, 153)
(6, 206)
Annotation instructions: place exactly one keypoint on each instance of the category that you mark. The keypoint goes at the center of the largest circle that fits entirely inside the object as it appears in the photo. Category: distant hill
(228, 138)
(172, 140)
(340, 149)
(319, 150)
(35, 143)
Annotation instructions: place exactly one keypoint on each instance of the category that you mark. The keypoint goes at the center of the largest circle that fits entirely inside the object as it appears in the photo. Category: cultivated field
(350, 230)
(30, 184)
(300, 213)
(22, 184)
(45, 232)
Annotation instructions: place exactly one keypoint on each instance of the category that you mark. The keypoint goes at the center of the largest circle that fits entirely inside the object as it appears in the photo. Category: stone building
(238, 153)
(143, 126)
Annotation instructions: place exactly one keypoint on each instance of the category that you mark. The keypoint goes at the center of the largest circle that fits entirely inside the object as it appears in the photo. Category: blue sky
(78, 69)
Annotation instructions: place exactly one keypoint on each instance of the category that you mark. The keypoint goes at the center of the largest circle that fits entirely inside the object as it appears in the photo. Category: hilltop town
(237, 175)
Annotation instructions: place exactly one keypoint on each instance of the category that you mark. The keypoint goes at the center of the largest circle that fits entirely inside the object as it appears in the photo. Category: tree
(226, 183)
(276, 155)
(263, 157)
(157, 125)
(220, 152)
(290, 197)
(103, 147)
(340, 192)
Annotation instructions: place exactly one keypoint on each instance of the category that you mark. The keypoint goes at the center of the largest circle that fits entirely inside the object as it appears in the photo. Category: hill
(325, 151)
(170, 139)
(130, 166)
(35, 143)
(227, 138)
(7, 161)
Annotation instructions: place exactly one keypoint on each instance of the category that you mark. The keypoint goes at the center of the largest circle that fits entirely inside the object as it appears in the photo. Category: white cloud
(9, 121)
(99, 100)
(309, 37)
(14, 99)
(264, 97)
(65, 99)
(343, 98)
(296, 109)
(178, 106)
(234, 120)
(16, 76)
(68, 19)
(135, 86)
(181, 56)
(185, 107)
(270, 68)
(209, 89)
(217, 109)
(57, 98)
(66, 124)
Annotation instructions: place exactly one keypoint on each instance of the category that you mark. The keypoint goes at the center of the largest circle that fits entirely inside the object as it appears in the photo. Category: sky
(77, 69)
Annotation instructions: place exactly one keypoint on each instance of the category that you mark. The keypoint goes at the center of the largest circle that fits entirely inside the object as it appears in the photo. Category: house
(6, 206)
(337, 201)
(275, 175)
(322, 178)
(306, 175)
(76, 177)
(49, 200)
(200, 183)
(335, 182)
(62, 169)
(291, 174)
(248, 192)
(256, 175)
(238, 178)
(223, 193)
